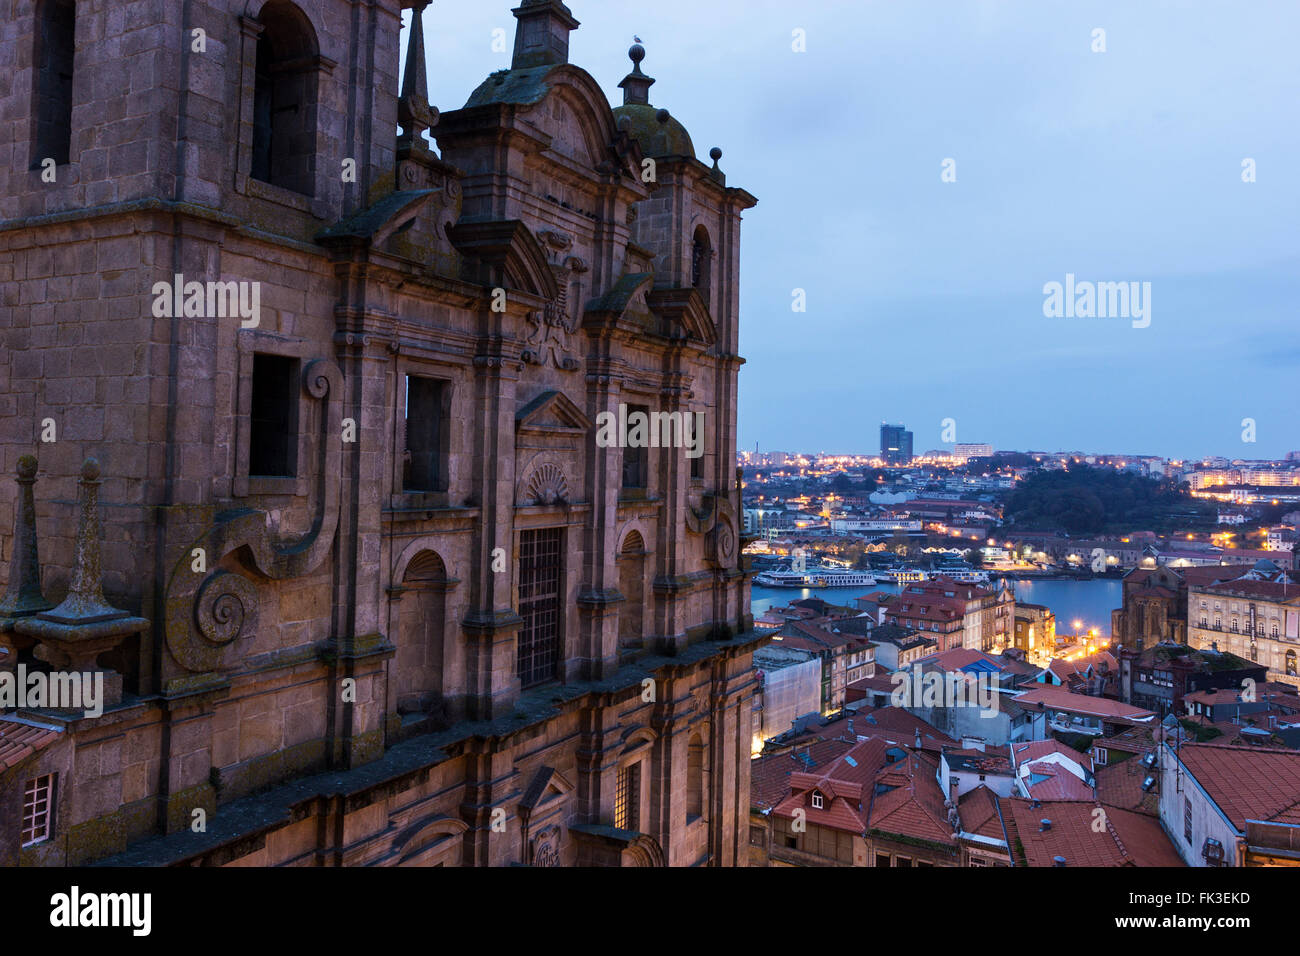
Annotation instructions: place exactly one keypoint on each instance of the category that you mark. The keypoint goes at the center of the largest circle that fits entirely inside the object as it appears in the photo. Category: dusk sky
(925, 298)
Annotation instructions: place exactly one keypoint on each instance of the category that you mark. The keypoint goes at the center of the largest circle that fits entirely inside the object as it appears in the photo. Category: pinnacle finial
(23, 595)
(636, 85)
(413, 109)
(85, 602)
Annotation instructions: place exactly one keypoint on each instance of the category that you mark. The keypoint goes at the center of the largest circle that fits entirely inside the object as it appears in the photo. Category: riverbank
(1088, 601)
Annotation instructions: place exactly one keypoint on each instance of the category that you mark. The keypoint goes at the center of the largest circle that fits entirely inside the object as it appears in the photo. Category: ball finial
(90, 470)
(27, 467)
(636, 53)
(662, 116)
(715, 154)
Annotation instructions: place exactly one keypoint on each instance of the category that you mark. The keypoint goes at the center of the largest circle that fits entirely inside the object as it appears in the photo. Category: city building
(1230, 805)
(1159, 677)
(895, 444)
(1035, 631)
(956, 614)
(1154, 599)
(880, 805)
(789, 687)
(1069, 713)
(387, 597)
(1252, 619)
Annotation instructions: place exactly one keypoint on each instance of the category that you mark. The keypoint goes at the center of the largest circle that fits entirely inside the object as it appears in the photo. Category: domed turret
(658, 132)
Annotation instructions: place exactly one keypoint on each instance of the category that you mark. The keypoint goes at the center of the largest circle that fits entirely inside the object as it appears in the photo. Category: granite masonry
(298, 389)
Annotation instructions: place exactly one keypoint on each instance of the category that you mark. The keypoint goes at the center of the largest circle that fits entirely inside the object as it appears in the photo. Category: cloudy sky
(924, 297)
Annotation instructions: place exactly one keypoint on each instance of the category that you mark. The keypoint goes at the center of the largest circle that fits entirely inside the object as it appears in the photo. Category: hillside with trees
(1086, 500)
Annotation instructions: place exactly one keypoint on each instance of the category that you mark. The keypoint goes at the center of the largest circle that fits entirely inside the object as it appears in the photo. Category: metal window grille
(627, 798)
(539, 605)
(38, 806)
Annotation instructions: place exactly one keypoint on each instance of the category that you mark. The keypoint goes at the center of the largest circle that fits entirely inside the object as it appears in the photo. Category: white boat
(815, 577)
(799, 575)
(964, 576)
(903, 575)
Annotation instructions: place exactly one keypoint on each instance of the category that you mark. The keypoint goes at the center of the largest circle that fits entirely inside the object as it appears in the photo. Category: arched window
(284, 99)
(695, 798)
(417, 668)
(631, 582)
(52, 81)
(701, 259)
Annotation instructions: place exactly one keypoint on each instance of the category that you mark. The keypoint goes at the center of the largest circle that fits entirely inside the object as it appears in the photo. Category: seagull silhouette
(635, 38)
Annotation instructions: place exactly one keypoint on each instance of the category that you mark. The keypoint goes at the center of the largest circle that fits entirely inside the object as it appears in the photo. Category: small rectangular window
(424, 467)
(273, 439)
(1187, 819)
(627, 798)
(882, 859)
(52, 82)
(38, 809)
(636, 461)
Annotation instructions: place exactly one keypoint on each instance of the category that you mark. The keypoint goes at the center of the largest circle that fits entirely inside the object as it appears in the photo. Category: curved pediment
(685, 312)
(507, 254)
(562, 102)
(673, 313)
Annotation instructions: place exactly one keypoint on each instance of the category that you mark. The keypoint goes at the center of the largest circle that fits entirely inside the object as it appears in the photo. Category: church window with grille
(539, 605)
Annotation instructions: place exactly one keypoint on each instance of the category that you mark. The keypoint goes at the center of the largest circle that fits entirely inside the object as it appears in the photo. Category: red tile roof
(844, 784)
(1058, 699)
(1120, 785)
(769, 775)
(18, 741)
(914, 808)
(1246, 783)
(1029, 751)
(1123, 839)
(896, 724)
(958, 657)
(979, 814)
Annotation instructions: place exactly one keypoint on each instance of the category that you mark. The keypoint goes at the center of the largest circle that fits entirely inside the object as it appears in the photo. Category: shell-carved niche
(546, 485)
(546, 847)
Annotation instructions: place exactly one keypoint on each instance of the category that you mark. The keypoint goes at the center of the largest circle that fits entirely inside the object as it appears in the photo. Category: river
(1089, 602)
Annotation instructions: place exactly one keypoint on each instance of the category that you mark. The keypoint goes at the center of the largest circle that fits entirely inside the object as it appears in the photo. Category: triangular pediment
(380, 219)
(552, 411)
(548, 784)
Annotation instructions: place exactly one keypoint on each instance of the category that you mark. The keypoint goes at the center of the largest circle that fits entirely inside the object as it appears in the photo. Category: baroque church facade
(298, 426)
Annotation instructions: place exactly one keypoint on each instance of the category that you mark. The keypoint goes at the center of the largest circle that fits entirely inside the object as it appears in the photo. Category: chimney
(1044, 825)
(542, 36)
(1058, 861)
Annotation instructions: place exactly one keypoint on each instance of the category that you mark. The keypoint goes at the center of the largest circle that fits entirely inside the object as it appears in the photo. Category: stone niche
(549, 434)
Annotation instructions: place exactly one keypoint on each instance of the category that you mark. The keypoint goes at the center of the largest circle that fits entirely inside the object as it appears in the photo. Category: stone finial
(85, 602)
(716, 172)
(542, 36)
(636, 85)
(23, 595)
(74, 634)
(413, 109)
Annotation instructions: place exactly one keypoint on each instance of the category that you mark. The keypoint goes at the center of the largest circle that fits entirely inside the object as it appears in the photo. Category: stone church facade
(299, 419)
